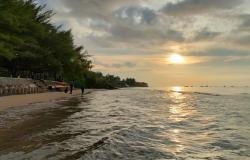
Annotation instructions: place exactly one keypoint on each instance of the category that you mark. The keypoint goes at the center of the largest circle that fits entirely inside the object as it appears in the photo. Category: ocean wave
(130, 124)
(202, 93)
(210, 94)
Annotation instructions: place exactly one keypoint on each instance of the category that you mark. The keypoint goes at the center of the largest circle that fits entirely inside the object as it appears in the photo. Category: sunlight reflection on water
(177, 89)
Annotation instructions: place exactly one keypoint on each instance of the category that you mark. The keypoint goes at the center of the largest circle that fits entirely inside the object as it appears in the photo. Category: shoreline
(26, 99)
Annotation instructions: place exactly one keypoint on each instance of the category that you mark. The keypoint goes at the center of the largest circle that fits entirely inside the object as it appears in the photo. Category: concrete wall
(13, 86)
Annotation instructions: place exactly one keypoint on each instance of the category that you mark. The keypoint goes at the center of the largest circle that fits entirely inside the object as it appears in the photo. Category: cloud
(205, 34)
(221, 52)
(136, 15)
(98, 24)
(243, 40)
(101, 9)
(116, 65)
(111, 23)
(245, 22)
(126, 64)
(131, 34)
(192, 7)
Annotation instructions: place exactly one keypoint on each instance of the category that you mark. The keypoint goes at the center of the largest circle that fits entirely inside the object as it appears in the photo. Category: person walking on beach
(71, 88)
(82, 89)
(66, 90)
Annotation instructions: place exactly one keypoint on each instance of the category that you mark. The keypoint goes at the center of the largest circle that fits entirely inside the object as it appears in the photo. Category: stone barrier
(16, 86)
(15, 90)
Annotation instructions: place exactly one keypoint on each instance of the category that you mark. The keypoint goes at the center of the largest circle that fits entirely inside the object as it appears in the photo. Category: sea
(172, 123)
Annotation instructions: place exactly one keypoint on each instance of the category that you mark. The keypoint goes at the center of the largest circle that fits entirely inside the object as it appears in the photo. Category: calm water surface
(136, 124)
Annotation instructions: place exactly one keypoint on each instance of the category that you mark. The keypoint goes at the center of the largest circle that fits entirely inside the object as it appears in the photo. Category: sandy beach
(21, 100)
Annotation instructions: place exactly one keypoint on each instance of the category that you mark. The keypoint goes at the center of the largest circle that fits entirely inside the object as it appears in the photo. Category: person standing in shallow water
(71, 88)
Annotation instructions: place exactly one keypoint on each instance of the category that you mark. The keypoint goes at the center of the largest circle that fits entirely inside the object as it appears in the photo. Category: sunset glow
(176, 59)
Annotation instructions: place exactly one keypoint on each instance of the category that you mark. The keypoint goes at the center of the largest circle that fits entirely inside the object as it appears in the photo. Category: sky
(134, 38)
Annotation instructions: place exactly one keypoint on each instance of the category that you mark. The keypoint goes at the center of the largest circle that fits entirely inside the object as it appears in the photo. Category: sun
(176, 59)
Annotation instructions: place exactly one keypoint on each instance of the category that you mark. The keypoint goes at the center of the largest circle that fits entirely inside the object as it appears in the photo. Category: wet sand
(21, 100)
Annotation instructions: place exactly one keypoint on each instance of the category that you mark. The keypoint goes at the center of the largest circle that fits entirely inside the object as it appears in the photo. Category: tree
(30, 43)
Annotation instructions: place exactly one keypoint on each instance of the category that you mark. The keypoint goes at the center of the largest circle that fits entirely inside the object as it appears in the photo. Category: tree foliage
(30, 43)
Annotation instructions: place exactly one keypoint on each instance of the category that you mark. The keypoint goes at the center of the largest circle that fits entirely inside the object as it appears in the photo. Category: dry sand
(22, 100)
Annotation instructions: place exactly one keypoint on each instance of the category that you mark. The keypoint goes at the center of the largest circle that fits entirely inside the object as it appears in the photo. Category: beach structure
(13, 86)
